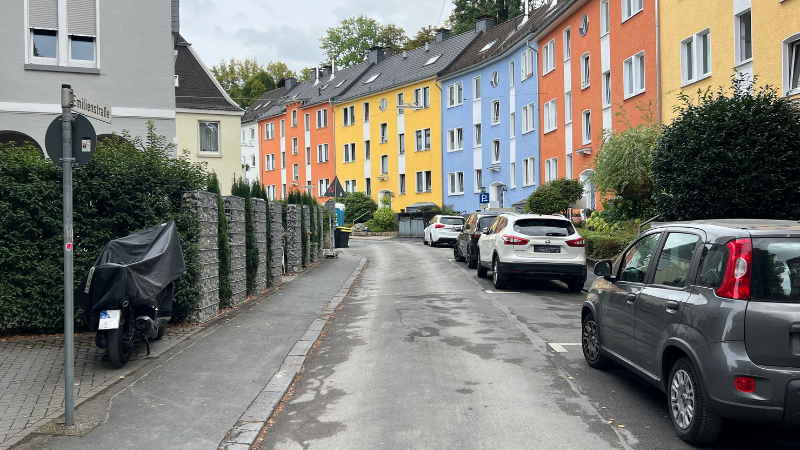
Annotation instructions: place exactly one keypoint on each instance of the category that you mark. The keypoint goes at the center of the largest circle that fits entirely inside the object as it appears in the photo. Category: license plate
(109, 319)
(547, 249)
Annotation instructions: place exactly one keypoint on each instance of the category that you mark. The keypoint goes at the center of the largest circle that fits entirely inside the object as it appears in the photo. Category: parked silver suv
(709, 312)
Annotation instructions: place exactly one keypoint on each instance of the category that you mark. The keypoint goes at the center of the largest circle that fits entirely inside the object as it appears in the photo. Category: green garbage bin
(341, 237)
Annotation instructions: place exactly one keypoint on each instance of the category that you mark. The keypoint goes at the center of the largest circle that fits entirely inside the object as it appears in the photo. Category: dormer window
(372, 78)
(323, 87)
(433, 60)
(340, 84)
(488, 46)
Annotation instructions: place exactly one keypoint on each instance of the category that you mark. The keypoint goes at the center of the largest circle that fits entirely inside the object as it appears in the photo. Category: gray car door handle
(672, 305)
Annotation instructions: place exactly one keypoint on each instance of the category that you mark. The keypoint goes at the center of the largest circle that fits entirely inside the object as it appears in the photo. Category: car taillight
(514, 240)
(477, 234)
(438, 225)
(576, 243)
(738, 273)
(744, 384)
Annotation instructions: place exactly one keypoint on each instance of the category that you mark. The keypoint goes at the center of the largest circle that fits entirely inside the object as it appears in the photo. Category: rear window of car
(544, 227)
(451, 220)
(776, 270)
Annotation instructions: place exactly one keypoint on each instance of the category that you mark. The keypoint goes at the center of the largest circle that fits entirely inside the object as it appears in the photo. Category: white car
(532, 246)
(442, 229)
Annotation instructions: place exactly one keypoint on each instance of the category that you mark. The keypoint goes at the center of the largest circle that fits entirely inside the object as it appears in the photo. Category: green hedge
(224, 253)
(130, 184)
(603, 246)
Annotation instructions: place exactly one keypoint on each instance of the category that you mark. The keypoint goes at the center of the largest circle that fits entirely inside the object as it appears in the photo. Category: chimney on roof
(388, 52)
(427, 46)
(315, 76)
(375, 55)
(527, 10)
(405, 54)
(442, 34)
(484, 23)
(289, 83)
(325, 71)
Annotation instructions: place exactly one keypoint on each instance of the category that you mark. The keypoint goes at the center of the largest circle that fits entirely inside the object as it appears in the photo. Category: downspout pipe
(658, 63)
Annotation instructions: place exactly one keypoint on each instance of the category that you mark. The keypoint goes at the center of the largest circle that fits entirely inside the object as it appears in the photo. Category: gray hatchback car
(709, 312)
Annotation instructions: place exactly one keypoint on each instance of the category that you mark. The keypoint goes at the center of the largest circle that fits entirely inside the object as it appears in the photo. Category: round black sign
(84, 140)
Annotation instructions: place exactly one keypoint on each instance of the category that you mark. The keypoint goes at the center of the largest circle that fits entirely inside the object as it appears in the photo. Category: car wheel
(457, 254)
(576, 284)
(499, 281)
(590, 343)
(471, 261)
(432, 244)
(483, 272)
(688, 406)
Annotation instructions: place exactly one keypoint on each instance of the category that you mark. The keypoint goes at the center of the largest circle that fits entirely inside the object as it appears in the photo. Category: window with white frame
(528, 118)
(209, 137)
(283, 191)
(569, 166)
(568, 107)
(423, 139)
(633, 73)
(605, 18)
(269, 162)
(283, 160)
(550, 169)
(324, 184)
(308, 156)
(295, 172)
(455, 139)
(349, 116)
(350, 152)
(424, 181)
(512, 122)
(550, 116)
(527, 64)
(476, 135)
(366, 111)
(511, 74)
(422, 97)
(744, 37)
(400, 103)
(495, 112)
(455, 94)
(496, 151)
(283, 128)
(322, 153)
(350, 186)
(456, 183)
(630, 8)
(529, 171)
(696, 57)
(585, 72)
(322, 118)
(243, 139)
(401, 143)
(271, 192)
(549, 57)
(368, 186)
(47, 33)
(567, 44)
(269, 130)
(367, 149)
(512, 172)
(294, 146)
(476, 88)
(402, 183)
(384, 164)
(587, 126)
(308, 122)
(294, 118)
(607, 89)
(791, 65)
(384, 133)
(478, 180)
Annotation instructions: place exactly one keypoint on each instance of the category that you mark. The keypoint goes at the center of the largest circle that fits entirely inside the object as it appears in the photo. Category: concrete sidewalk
(192, 396)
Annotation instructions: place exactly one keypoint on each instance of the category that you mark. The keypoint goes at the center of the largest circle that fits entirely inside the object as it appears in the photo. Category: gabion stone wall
(205, 204)
(234, 209)
(306, 229)
(260, 232)
(294, 245)
(276, 264)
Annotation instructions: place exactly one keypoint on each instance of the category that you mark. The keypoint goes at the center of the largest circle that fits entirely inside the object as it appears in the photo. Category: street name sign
(93, 109)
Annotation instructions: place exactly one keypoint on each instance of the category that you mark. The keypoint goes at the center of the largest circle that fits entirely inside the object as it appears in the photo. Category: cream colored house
(208, 121)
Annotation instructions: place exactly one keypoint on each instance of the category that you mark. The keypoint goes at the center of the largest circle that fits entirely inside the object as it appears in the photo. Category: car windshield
(485, 221)
(776, 270)
(451, 220)
(544, 227)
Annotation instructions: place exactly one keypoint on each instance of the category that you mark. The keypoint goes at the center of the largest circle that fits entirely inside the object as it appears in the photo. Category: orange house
(597, 59)
(296, 133)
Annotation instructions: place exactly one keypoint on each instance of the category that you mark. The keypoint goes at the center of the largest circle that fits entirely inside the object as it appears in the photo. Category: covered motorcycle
(127, 294)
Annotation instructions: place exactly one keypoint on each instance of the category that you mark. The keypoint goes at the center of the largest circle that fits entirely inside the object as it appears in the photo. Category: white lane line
(489, 291)
(560, 347)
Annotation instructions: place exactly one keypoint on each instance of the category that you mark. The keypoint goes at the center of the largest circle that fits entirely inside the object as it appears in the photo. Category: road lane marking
(560, 347)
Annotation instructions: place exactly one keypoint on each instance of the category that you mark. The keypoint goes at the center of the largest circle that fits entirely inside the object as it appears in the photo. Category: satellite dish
(584, 25)
(382, 104)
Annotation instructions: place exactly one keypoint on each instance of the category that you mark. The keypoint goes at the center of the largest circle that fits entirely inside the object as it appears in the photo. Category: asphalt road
(424, 354)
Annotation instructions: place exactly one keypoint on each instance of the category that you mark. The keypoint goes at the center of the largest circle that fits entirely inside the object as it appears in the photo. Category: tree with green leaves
(223, 245)
(234, 73)
(254, 87)
(466, 12)
(425, 34)
(358, 205)
(733, 153)
(555, 196)
(349, 43)
(305, 74)
(279, 70)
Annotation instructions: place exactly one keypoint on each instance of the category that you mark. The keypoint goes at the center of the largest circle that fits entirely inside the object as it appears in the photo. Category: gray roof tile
(196, 89)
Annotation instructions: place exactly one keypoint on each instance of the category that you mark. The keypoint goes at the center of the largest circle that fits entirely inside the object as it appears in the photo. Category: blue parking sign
(484, 198)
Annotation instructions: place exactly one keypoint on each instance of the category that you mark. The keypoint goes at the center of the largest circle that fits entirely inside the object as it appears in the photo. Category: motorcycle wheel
(115, 347)
(161, 332)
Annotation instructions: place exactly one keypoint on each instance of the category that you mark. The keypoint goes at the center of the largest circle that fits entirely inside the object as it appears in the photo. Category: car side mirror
(486, 230)
(602, 269)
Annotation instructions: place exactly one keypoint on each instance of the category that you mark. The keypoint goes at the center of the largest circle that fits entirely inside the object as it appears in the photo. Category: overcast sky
(290, 30)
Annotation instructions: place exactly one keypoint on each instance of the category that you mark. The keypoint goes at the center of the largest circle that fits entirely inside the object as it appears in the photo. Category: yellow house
(703, 43)
(207, 120)
(388, 125)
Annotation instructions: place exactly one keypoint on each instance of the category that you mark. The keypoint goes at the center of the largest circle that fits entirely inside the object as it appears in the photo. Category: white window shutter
(82, 17)
(43, 14)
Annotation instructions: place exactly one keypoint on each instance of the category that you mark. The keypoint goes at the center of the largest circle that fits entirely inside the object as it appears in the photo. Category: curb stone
(244, 434)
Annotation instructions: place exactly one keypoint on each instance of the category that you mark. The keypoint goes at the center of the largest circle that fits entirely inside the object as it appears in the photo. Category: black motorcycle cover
(133, 269)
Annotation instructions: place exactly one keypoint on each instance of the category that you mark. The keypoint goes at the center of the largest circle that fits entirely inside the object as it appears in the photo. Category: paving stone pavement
(32, 377)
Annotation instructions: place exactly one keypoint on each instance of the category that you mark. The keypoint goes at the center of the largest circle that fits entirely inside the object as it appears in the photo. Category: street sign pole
(67, 99)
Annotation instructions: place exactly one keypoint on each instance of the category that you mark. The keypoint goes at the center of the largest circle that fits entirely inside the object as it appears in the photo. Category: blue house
(490, 117)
